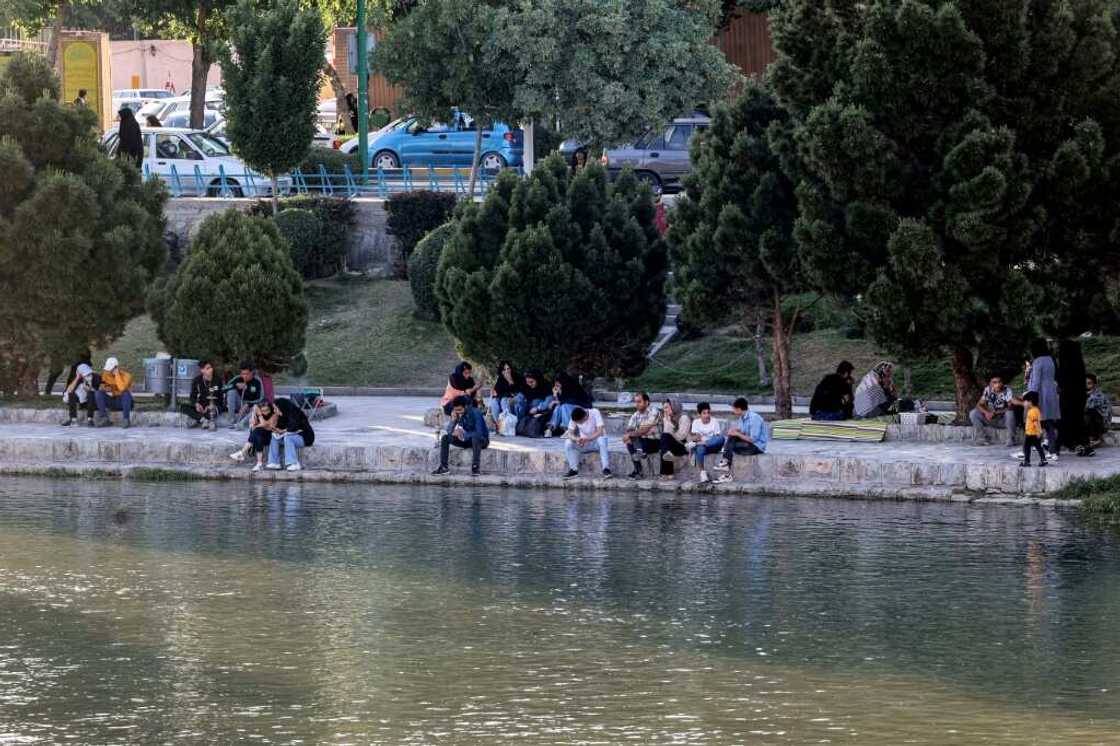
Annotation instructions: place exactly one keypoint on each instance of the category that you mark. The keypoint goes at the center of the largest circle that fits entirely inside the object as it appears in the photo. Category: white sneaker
(295, 467)
(273, 467)
(257, 467)
(238, 456)
(724, 479)
(1051, 456)
(723, 465)
(704, 478)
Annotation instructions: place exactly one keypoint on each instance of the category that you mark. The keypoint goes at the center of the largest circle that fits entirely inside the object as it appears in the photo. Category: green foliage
(956, 166)
(1100, 497)
(333, 161)
(73, 281)
(236, 296)
(422, 268)
(413, 215)
(556, 270)
(337, 218)
(304, 234)
(28, 76)
(271, 72)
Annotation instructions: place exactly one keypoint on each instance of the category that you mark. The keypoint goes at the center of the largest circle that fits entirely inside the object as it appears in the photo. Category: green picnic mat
(863, 431)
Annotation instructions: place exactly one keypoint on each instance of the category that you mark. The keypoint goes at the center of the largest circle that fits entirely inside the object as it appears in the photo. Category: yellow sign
(81, 71)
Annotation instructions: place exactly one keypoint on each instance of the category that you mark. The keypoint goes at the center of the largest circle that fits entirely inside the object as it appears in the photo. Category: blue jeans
(828, 416)
(292, 443)
(711, 445)
(523, 405)
(562, 416)
(498, 406)
(107, 402)
(572, 451)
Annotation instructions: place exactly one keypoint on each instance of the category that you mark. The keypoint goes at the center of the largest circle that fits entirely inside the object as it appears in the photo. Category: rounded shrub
(422, 266)
(303, 231)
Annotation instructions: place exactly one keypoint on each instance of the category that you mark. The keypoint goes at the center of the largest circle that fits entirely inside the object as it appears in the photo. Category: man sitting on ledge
(586, 433)
(833, 398)
(747, 435)
(115, 393)
(206, 399)
(466, 429)
(993, 410)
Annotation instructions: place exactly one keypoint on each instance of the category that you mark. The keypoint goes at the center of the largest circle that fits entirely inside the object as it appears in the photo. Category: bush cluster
(326, 256)
(422, 267)
(413, 215)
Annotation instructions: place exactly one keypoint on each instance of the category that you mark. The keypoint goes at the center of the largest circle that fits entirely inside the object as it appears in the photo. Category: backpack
(532, 426)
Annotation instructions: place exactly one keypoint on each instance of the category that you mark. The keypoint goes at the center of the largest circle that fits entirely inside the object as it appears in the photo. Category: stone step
(140, 418)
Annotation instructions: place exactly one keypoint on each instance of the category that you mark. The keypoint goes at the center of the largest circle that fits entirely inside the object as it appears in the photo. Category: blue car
(409, 143)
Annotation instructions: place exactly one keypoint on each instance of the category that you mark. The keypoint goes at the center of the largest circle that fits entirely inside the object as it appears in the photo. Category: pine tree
(956, 167)
(733, 252)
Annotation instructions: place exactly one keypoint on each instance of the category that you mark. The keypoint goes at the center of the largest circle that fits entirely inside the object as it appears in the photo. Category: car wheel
(492, 162)
(232, 189)
(386, 159)
(649, 177)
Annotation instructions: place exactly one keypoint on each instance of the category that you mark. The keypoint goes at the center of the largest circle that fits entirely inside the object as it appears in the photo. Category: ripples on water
(214, 613)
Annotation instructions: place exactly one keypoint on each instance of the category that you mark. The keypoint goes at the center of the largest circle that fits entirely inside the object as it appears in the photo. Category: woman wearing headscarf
(461, 382)
(569, 394)
(676, 427)
(534, 396)
(506, 388)
(130, 143)
(1071, 396)
(1043, 381)
(876, 392)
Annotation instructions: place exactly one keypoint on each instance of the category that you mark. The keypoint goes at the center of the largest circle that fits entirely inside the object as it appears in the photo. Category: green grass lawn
(360, 333)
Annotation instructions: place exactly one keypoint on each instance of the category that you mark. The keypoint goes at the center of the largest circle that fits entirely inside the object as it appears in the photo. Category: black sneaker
(67, 423)
(193, 424)
(475, 471)
(607, 474)
(1024, 464)
(1043, 465)
(572, 474)
(441, 471)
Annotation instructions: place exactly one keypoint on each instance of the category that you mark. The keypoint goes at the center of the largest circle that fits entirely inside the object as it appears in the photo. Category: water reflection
(220, 612)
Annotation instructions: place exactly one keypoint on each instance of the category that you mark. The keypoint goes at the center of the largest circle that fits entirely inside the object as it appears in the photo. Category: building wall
(747, 43)
(380, 92)
(154, 62)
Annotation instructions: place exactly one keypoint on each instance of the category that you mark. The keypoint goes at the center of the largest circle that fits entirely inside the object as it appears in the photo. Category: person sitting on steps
(460, 383)
(643, 433)
(114, 394)
(833, 398)
(994, 409)
(293, 432)
(533, 398)
(264, 420)
(504, 394)
(706, 437)
(569, 393)
(466, 429)
(747, 436)
(587, 433)
(243, 393)
(677, 428)
(82, 391)
(206, 402)
(1098, 413)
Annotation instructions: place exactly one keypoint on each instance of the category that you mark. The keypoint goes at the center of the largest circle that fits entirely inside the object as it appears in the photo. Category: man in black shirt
(244, 392)
(294, 434)
(206, 399)
(833, 399)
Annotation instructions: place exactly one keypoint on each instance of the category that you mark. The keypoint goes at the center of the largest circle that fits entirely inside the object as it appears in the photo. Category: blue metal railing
(381, 182)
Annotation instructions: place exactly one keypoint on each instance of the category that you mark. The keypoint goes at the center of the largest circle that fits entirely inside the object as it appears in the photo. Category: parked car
(135, 98)
(182, 120)
(350, 145)
(407, 142)
(183, 149)
(168, 107)
(215, 126)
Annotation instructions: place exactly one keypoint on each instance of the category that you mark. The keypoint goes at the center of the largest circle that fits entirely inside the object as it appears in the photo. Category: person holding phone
(466, 428)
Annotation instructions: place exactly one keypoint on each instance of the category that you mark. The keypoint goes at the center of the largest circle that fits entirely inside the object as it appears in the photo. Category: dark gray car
(660, 156)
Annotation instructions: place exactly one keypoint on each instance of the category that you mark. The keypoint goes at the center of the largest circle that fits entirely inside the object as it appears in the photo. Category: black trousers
(476, 443)
(1035, 442)
(669, 444)
(639, 448)
(1095, 425)
(188, 410)
(90, 405)
(260, 438)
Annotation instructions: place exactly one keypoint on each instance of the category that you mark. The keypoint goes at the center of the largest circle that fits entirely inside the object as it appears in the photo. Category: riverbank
(384, 440)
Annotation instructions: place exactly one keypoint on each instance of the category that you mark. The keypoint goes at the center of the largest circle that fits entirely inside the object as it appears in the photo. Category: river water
(229, 612)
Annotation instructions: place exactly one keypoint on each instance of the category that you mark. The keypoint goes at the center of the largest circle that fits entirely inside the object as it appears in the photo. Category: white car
(167, 107)
(171, 154)
(216, 126)
(136, 98)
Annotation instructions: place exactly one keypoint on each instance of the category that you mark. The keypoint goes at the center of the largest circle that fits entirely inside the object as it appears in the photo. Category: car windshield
(211, 146)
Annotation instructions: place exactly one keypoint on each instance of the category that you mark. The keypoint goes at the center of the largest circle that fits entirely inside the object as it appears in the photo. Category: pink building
(153, 63)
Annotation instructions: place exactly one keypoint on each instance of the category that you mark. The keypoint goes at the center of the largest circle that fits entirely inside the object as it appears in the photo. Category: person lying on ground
(643, 433)
(264, 420)
(569, 393)
(833, 398)
(876, 392)
(460, 383)
(293, 432)
(747, 436)
(706, 436)
(534, 396)
(243, 393)
(466, 429)
(676, 431)
(1098, 411)
(81, 391)
(994, 409)
(206, 401)
(114, 393)
(505, 391)
(587, 433)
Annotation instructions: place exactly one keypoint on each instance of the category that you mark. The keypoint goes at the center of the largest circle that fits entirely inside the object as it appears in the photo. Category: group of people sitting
(529, 406)
(97, 394)
(837, 398)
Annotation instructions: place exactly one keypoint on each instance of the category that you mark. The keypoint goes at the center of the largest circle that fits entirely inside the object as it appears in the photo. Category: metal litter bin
(157, 375)
(185, 371)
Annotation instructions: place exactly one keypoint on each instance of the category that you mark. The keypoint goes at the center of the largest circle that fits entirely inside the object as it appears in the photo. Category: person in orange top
(1033, 430)
(115, 393)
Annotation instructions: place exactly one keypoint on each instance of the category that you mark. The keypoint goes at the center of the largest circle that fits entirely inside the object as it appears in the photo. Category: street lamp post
(363, 91)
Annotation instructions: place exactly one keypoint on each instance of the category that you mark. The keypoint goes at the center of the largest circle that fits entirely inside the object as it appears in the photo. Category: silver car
(659, 157)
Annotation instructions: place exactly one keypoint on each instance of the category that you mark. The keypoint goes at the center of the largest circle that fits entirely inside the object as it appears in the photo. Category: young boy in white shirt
(706, 437)
(586, 433)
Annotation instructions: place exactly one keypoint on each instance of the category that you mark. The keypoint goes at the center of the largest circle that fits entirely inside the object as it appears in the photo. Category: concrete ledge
(145, 418)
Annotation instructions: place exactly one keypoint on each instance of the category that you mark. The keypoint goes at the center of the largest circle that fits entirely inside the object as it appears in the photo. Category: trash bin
(157, 375)
(185, 371)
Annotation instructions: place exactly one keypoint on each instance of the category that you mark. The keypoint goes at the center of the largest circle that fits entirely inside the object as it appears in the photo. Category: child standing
(1033, 430)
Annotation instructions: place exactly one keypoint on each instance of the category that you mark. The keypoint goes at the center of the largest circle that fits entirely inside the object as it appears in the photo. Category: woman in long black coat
(130, 141)
(1071, 395)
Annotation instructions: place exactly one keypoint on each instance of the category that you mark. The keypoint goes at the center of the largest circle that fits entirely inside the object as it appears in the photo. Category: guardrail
(381, 182)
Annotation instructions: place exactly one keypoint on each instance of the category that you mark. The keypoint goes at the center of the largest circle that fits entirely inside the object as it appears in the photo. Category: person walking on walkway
(587, 433)
(130, 143)
(1043, 382)
(746, 436)
(676, 430)
(466, 429)
(1033, 430)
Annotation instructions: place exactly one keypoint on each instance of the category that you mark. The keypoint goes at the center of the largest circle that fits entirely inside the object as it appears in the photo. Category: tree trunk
(477, 154)
(275, 196)
(964, 379)
(783, 371)
(342, 111)
(760, 353)
(55, 44)
(200, 68)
